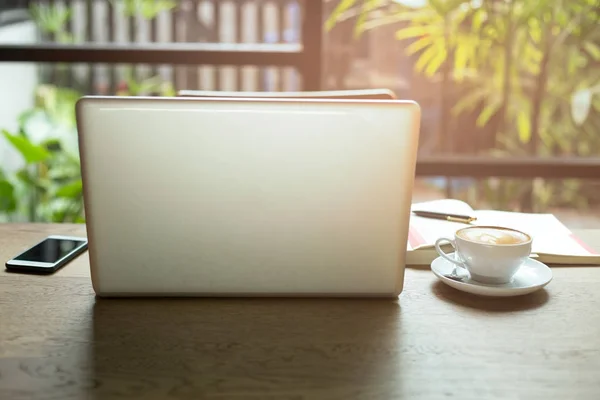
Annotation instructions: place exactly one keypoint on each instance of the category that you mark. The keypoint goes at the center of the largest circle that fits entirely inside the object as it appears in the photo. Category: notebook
(553, 242)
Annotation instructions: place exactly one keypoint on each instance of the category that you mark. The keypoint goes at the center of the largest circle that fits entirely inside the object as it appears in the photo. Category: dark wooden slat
(312, 42)
(175, 13)
(260, 35)
(69, 28)
(89, 33)
(179, 53)
(131, 28)
(216, 29)
(192, 76)
(483, 167)
(174, 20)
(154, 39)
(295, 23)
(53, 69)
(260, 20)
(112, 75)
(239, 24)
(281, 7)
(131, 25)
(89, 20)
(50, 4)
(281, 11)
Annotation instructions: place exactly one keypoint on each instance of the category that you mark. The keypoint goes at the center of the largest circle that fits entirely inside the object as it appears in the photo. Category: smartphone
(49, 255)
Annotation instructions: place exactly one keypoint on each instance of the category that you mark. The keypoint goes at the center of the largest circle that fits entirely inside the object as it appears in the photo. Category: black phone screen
(50, 250)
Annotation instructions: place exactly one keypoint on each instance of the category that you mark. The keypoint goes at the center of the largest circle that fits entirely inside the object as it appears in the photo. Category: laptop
(247, 196)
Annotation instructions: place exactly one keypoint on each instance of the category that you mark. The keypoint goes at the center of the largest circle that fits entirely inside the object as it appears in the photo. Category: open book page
(423, 232)
(549, 235)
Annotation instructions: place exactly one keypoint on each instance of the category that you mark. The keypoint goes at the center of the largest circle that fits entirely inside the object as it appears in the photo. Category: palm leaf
(342, 7)
(30, 152)
(417, 31)
(436, 62)
(426, 57)
(488, 112)
(418, 45)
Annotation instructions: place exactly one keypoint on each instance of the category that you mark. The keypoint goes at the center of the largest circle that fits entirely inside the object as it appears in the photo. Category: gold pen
(465, 219)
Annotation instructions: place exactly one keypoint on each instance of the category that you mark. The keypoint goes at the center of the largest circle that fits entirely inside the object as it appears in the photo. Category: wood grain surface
(57, 341)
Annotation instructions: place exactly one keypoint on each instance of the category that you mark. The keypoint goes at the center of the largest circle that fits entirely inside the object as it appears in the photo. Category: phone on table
(49, 255)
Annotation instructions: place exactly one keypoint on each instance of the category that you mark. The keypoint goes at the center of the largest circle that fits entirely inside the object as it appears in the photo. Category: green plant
(8, 202)
(52, 20)
(526, 70)
(48, 187)
(148, 9)
(143, 87)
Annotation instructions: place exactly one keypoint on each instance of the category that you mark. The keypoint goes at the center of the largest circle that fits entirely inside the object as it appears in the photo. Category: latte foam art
(493, 236)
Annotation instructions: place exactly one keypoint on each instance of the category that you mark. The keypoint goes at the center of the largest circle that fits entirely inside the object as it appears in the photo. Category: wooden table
(57, 341)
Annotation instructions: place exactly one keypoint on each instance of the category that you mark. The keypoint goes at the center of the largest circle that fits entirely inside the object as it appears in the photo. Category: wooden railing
(176, 53)
(275, 35)
(509, 167)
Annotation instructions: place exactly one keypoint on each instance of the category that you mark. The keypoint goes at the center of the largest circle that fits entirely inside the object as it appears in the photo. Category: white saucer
(532, 276)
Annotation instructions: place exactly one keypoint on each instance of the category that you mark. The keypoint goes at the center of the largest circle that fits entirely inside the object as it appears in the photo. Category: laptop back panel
(224, 197)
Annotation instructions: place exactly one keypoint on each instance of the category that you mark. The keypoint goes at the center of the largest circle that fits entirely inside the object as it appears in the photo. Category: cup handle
(438, 248)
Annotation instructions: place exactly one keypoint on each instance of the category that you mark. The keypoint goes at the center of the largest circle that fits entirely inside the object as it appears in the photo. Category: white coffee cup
(491, 254)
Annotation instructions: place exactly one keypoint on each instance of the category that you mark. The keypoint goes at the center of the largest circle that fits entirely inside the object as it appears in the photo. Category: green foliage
(531, 67)
(30, 152)
(342, 7)
(8, 202)
(52, 19)
(348, 8)
(154, 84)
(48, 188)
(148, 9)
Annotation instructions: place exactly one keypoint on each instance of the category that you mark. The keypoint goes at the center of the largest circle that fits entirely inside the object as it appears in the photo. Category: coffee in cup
(491, 254)
(493, 235)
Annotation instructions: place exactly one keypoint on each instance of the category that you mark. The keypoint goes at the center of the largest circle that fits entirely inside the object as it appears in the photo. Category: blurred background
(509, 89)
